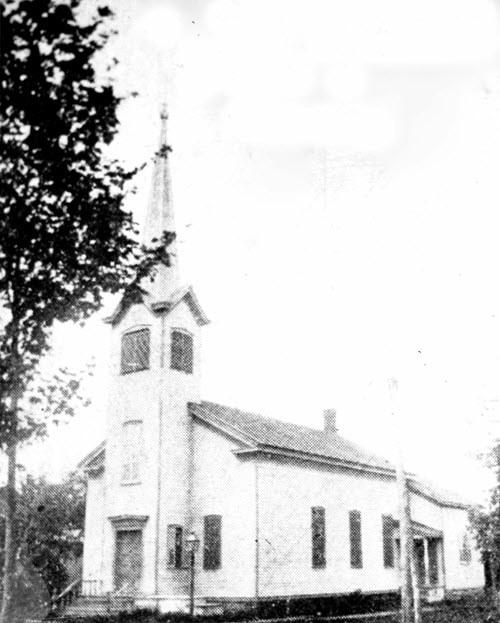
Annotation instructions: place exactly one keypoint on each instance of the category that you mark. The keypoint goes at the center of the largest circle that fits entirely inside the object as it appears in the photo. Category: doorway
(128, 560)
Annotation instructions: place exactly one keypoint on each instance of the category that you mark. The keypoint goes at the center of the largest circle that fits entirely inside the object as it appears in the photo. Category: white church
(279, 511)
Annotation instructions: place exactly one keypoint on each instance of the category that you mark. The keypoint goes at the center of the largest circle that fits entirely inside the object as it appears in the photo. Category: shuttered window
(175, 546)
(388, 541)
(181, 357)
(318, 537)
(212, 542)
(135, 351)
(355, 539)
(132, 452)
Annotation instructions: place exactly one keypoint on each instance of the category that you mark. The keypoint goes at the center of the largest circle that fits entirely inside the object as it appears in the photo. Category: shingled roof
(262, 432)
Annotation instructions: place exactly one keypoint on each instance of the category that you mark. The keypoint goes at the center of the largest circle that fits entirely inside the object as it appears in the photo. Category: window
(387, 541)
(175, 546)
(212, 542)
(132, 451)
(355, 539)
(318, 537)
(465, 551)
(182, 351)
(135, 351)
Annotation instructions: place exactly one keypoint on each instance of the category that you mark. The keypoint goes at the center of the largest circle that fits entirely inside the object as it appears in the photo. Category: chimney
(330, 421)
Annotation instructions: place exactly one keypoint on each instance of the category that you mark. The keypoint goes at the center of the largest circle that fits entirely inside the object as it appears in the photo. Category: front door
(128, 560)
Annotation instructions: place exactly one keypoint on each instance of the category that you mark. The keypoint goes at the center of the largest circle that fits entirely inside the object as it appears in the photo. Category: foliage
(49, 527)
(65, 237)
(486, 523)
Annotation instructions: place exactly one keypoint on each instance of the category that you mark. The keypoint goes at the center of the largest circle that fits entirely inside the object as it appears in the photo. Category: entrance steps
(98, 605)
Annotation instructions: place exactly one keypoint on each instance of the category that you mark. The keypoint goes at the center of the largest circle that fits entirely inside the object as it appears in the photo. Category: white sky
(336, 187)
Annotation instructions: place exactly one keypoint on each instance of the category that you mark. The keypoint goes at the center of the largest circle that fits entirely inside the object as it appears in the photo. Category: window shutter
(387, 541)
(355, 538)
(188, 353)
(318, 537)
(433, 561)
(212, 544)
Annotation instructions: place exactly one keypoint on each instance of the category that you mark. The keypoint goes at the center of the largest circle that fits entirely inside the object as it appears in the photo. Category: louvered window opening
(212, 542)
(318, 537)
(135, 351)
(355, 539)
(182, 352)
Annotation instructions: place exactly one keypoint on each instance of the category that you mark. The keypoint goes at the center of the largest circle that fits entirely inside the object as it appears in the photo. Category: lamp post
(192, 542)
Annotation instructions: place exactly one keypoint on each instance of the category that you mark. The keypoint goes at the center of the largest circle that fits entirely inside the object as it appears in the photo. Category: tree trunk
(9, 570)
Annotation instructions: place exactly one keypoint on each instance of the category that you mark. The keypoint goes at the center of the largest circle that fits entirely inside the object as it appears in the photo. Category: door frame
(127, 523)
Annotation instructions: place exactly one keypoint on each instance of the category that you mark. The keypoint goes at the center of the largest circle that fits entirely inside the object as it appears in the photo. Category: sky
(336, 190)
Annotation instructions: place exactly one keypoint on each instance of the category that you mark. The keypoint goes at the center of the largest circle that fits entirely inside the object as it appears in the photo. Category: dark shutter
(318, 537)
(135, 351)
(212, 542)
(175, 546)
(181, 357)
(355, 539)
(388, 541)
(433, 549)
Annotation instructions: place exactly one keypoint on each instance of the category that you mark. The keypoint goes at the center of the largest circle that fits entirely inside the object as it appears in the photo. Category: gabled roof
(259, 432)
(186, 293)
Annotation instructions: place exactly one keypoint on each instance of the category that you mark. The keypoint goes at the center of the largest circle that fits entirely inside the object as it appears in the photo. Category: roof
(257, 434)
(182, 294)
(268, 433)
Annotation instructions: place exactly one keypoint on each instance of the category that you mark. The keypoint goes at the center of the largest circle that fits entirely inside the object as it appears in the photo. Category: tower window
(132, 452)
(135, 351)
(182, 351)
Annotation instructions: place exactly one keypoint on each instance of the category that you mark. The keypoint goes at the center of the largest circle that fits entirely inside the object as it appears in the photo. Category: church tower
(155, 373)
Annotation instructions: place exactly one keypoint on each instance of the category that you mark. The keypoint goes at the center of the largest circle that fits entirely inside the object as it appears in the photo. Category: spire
(160, 215)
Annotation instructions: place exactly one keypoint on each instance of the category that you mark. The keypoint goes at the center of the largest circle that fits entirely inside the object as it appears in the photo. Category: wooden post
(405, 536)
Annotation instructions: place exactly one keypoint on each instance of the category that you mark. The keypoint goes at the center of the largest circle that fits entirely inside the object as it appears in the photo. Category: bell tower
(155, 373)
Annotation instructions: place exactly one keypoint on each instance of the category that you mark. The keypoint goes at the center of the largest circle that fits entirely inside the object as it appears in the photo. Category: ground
(470, 610)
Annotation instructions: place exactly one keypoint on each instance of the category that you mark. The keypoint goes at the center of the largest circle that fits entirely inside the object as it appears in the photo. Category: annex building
(280, 510)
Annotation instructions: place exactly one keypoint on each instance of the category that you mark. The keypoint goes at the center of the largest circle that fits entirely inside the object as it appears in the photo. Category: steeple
(160, 217)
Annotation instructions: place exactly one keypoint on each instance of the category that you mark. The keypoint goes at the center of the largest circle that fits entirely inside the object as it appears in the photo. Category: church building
(278, 511)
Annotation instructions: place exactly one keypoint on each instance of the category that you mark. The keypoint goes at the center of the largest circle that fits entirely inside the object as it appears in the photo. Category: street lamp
(192, 543)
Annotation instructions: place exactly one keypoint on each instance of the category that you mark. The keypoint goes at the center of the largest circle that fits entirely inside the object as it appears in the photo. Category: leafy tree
(49, 528)
(486, 525)
(65, 237)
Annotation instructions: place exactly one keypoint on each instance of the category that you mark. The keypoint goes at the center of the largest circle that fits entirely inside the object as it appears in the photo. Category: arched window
(135, 351)
(181, 355)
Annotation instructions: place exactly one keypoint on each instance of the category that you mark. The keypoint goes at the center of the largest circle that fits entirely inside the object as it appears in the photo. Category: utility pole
(405, 536)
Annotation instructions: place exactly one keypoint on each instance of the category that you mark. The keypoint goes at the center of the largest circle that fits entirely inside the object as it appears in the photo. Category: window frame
(182, 360)
(129, 367)
(175, 546)
(128, 476)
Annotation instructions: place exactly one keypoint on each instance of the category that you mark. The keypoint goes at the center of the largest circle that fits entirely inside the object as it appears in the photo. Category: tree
(49, 527)
(485, 525)
(65, 239)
